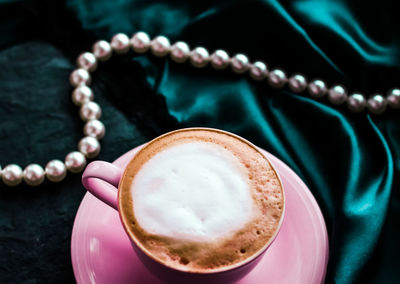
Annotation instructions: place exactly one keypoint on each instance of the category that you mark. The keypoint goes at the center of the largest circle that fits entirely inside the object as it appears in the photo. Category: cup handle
(101, 179)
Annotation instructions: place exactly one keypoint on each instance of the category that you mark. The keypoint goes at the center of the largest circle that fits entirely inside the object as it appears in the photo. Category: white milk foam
(196, 191)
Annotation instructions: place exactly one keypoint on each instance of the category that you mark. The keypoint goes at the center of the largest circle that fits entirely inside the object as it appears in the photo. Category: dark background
(349, 161)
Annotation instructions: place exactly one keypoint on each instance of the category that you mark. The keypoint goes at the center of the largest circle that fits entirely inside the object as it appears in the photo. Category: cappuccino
(201, 200)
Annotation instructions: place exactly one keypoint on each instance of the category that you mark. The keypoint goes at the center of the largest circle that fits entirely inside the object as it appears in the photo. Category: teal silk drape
(349, 161)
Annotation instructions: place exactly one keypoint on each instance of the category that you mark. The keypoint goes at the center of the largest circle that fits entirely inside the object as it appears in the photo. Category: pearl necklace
(90, 112)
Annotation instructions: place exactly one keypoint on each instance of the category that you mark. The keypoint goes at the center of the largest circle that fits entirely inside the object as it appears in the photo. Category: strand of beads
(90, 113)
(199, 57)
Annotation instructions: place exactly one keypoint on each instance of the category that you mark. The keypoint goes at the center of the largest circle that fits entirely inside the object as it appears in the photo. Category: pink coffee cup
(102, 179)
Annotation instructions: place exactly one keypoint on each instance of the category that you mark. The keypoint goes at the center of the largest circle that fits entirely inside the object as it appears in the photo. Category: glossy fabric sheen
(349, 161)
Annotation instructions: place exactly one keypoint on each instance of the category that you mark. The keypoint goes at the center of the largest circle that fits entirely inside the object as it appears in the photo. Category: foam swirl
(196, 191)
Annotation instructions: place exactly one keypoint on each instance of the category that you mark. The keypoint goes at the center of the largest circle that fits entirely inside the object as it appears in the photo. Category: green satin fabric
(349, 161)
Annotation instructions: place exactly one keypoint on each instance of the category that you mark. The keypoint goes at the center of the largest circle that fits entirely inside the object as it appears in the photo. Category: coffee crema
(200, 200)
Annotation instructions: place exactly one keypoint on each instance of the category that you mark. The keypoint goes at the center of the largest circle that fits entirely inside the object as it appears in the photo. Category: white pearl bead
(376, 104)
(393, 98)
(75, 162)
(277, 78)
(356, 102)
(89, 146)
(140, 42)
(87, 61)
(258, 71)
(34, 175)
(337, 94)
(219, 59)
(160, 46)
(0, 172)
(102, 50)
(317, 88)
(81, 95)
(180, 52)
(94, 128)
(239, 63)
(297, 83)
(199, 57)
(90, 110)
(120, 43)
(55, 170)
(79, 77)
(12, 175)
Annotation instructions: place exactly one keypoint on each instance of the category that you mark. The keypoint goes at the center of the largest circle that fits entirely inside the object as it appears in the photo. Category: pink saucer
(102, 253)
